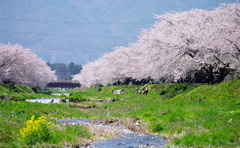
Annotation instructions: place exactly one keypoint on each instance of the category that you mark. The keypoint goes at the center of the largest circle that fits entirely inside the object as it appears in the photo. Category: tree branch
(125, 54)
(233, 44)
(238, 14)
(227, 65)
(168, 21)
(2, 65)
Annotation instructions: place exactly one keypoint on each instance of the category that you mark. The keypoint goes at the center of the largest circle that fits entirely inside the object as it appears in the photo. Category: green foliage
(157, 127)
(15, 88)
(21, 92)
(14, 115)
(213, 138)
(7, 131)
(70, 134)
(36, 131)
(42, 131)
(77, 97)
(190, 115)
(45, 91)
(223, 92)
(65, 72)
(63, 96)
(23, 89)
(178, 114)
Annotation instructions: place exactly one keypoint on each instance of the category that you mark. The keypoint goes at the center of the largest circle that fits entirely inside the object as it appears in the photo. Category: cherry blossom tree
(208, 40)
(190, 46)
(20, 65)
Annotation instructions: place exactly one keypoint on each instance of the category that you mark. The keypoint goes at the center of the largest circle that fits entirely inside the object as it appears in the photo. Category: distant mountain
(82, 30)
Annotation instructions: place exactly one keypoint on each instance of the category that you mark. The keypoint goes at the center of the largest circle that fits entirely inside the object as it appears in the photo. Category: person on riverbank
(137, 90)
(145, 91)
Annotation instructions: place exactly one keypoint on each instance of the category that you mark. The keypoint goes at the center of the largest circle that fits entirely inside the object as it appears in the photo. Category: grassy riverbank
(186, 114)
(15, 115)
(31, 118)
(21, 92)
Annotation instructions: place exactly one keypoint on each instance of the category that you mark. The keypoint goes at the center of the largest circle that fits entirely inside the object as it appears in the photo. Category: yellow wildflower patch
(33, 125)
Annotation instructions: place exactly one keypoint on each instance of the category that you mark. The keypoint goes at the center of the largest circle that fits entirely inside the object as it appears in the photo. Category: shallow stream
(130, 138)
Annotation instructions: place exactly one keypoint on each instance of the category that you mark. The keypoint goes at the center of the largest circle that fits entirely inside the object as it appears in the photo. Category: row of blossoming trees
(19, 65)
(191, 46)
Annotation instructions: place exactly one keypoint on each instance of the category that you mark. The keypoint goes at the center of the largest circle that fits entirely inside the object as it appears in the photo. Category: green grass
(17, 88)
(176, 114)
(13, 117)
(179, 115)
(21, 92)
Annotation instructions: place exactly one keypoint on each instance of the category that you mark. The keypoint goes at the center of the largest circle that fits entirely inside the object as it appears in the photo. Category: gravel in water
(130, 138)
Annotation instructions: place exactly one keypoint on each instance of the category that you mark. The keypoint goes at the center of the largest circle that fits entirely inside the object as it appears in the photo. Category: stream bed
(130, 139)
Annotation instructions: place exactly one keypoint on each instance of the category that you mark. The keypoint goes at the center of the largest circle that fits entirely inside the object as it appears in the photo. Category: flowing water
(130, 138)
(45, 100)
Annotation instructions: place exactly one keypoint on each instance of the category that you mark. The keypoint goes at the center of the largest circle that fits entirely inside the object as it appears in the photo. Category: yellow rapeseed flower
(33, 117)
(33, 125)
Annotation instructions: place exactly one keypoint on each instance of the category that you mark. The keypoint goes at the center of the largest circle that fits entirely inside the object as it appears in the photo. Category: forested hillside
(189, 46)
(65, 71)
